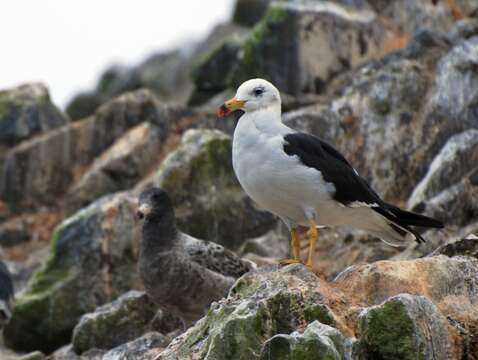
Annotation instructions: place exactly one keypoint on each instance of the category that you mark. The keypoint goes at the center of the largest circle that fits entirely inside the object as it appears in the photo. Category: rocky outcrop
(118, 168)
(165, 74)
(395, 93)
(318, 341)
(114, 324)
(364, 313)
(285, 47)
(414, 322)
(92, 258)
(26, 111)
(209, 201)
(458, 156)
(146, 347)
(36, 172)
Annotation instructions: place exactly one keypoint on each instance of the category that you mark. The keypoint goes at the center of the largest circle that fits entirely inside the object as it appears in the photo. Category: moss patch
(388, 332)
(251, 64)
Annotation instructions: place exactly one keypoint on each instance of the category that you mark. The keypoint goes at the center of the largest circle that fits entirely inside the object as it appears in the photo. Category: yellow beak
(229, 106)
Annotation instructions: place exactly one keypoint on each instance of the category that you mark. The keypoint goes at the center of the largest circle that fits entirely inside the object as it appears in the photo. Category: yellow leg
(312, 234)
(295, 248)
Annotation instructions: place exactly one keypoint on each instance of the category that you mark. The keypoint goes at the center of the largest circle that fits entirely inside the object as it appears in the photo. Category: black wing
(335, 169)
(349, 186)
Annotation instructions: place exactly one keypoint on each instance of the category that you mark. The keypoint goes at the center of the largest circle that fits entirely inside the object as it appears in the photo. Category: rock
(457, 157)
(387, 118)
(40, 170)
(66, 353)
(299, 48)
(13, 232)
(457, 204)
(6, 294)
(25, 111)
(274, 244)
(467, 246)
(116, 323)
(441, 279)
(165, 74)
(211, 74)
(36, 355)
(92, 258)
(119, 167)
(437, 16)
(386, 310)
(208, 199)
(249, 12)
(259, 306)
(146, 347)
(318, 342)
(405, 327)
(82, 105)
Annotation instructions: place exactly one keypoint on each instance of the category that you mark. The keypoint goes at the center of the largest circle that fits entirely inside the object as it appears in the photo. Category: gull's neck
(266, 120)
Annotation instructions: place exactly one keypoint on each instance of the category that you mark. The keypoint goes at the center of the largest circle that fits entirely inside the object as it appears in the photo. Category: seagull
(304, 180)
(179, 272)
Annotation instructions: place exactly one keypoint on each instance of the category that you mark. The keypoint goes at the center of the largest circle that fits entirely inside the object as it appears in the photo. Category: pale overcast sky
(67, 43)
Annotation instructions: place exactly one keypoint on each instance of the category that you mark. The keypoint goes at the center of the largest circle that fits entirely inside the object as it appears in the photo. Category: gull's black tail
(400, 221)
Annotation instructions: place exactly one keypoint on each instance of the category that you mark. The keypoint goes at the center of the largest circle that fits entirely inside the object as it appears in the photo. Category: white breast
(276, 181)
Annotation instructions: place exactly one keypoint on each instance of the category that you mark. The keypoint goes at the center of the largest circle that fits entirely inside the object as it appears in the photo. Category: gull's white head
(252, 95)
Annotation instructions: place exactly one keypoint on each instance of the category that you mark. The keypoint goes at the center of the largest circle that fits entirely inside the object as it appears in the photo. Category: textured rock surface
(119, 167)
(39, 170)
(92, 258)
(26, 110)
(458, 156)
(209, 201)
(146, 347)
(407, 121)
(405, 327)
(259, 307)
(318, 341)
(161, 73)
(115, 323)
(285, 47)
(383, 310)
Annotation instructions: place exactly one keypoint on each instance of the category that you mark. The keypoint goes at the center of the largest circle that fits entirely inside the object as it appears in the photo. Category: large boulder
(113, 324)
(385, 310)
(146, 347)
(209, 202)
(38, 171)
(92, 261)
(165, 74)
(405, 327)
(119, 167)
(458, 156)
(392, 117)
(25, 111)
(318, 341)
(301, 46)
(260, 306)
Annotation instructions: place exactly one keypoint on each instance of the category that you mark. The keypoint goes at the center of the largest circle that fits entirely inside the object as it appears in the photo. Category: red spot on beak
(223, 111)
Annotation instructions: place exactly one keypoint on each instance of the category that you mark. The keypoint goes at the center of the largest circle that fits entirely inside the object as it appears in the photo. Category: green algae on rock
(113, 324)
(91, 261)
(317, 342)
(260, 306)
(405, 327)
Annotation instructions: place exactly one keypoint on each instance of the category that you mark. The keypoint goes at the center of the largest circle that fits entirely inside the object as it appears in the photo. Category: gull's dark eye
(258, 91)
